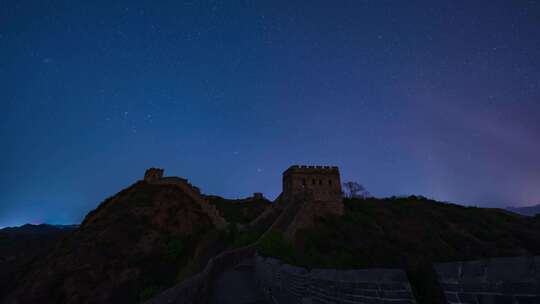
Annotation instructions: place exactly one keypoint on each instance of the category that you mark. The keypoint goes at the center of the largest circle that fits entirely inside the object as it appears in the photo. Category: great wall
(242, 276)
(155, 176)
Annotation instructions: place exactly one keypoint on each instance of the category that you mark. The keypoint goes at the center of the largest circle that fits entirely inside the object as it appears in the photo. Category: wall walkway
(284, 284)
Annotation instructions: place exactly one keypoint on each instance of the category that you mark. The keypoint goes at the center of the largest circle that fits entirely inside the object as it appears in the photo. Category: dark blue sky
(406, 97)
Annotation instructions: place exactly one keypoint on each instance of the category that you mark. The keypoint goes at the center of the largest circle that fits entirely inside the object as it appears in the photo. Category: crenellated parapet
(305, 169)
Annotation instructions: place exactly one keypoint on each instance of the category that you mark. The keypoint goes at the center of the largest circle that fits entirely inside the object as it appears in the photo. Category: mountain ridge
(531, 210)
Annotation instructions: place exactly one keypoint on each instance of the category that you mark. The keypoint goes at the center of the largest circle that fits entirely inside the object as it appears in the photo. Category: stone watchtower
(321, 182)
(153, 175)
(314, 192)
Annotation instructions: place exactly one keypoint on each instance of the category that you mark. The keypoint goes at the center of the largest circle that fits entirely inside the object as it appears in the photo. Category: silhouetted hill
(37, 229)
(143, 239)
(528, 211)
(408, 233)
(383, 232)
(151, 236)
(19, 246)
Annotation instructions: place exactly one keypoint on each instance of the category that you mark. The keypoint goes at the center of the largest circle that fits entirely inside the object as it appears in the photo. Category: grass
(239, 211)
(409, 233)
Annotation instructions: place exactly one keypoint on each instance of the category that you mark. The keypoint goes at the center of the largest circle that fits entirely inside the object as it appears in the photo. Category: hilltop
(408, 233)
(392, 229)
(136, 242)
(162, 230)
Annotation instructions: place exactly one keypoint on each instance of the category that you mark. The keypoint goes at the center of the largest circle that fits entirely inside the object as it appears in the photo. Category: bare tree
(355, 190)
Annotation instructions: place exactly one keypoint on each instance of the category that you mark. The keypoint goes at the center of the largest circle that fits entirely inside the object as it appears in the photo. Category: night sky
(407, 97)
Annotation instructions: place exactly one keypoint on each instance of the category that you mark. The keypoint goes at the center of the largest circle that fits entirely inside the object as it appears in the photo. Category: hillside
(248, 218)
(150, 236)
(143, 239)
(407, 233)
(527, 211)
(19, 246)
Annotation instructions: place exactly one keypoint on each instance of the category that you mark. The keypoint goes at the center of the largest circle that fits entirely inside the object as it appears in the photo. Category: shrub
(147, 293)
(175, 249)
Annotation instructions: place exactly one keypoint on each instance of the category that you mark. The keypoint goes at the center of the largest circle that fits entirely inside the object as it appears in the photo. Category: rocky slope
(135, 244)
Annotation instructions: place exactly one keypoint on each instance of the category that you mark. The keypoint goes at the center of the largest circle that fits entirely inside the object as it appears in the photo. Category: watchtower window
(303, 181)
(320, 182)
(313, 181)
(330, 182)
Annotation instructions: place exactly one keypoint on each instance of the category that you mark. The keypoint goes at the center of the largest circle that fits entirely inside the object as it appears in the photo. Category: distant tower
(153, 175)
(322, 182)
(258, 195)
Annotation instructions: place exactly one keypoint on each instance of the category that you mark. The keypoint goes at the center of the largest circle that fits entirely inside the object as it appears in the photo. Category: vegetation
(390, 232)
(148, 292)
(274, 244)
(175, 248)
(355, 190)
(239, 211)
(141, 240)
(410, 233)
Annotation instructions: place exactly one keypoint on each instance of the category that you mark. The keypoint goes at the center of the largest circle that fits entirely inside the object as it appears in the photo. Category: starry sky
(408, 97)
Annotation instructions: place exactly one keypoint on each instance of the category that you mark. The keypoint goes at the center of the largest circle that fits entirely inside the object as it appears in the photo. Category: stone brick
(510, 269)
(396, 295)
(473, 270)
(467, 298)
(495, 299)
(476, 287)
(366, 292)
(366, 285)
(398, 301)
(392, 286)
(527, 299)
(512, 280)
(376, 286)
(448, 272)
(518, 288)
(451, 287)
(451, 297)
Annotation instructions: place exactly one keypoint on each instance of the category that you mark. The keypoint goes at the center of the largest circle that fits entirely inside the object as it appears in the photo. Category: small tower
(153, 175)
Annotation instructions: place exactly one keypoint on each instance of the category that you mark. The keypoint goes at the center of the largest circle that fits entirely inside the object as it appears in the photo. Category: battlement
(155, 176)
(312, 169)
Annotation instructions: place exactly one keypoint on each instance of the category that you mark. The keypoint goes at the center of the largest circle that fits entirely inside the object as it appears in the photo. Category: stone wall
(196, 290)
(283, 284)
(513, 280)
(155, 176)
